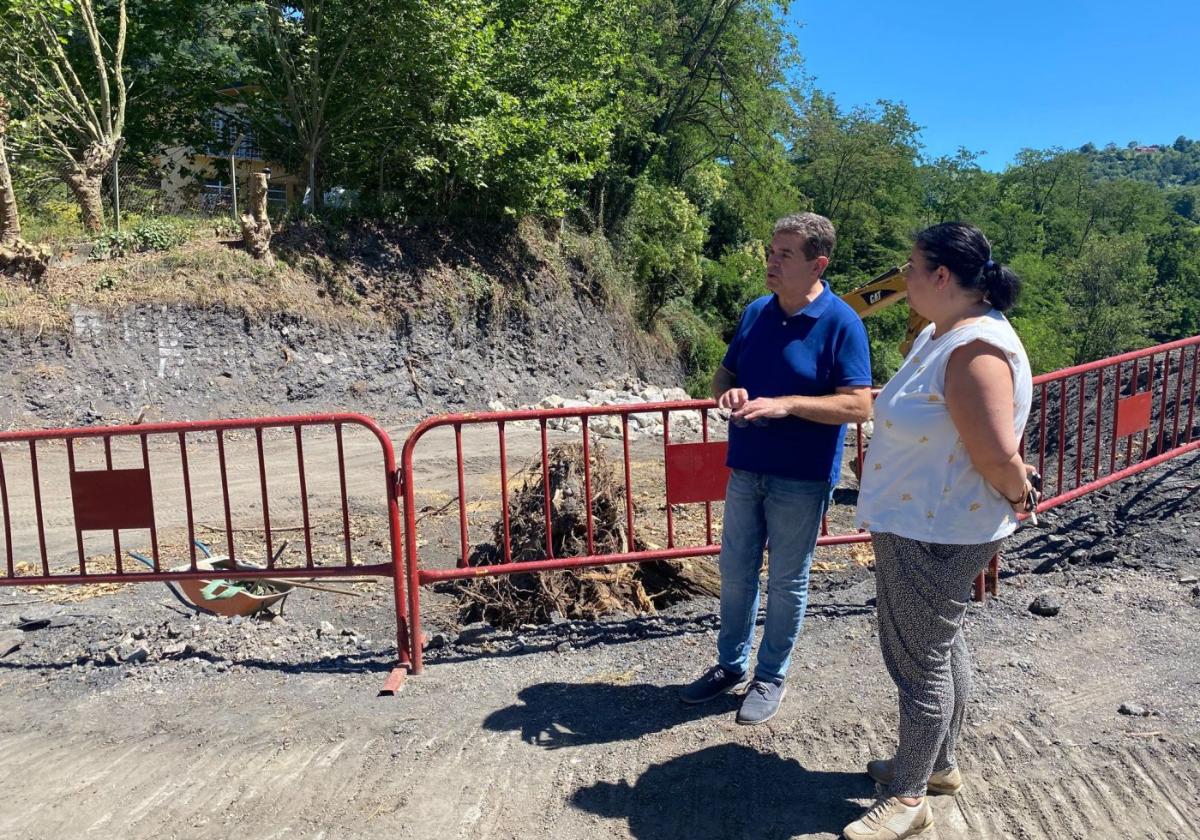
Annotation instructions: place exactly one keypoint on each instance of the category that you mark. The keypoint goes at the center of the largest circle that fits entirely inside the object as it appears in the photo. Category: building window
(228, 128)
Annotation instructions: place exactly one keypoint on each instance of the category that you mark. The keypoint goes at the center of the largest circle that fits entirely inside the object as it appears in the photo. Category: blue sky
(1002, 76)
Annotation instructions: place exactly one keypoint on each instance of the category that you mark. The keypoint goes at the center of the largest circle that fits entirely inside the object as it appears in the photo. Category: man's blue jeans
(785, 514)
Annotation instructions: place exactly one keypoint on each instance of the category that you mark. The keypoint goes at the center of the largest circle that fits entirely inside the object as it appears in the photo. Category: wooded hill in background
(677, 130)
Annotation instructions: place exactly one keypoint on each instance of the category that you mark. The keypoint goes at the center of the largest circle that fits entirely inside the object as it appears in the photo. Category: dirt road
(572, 731)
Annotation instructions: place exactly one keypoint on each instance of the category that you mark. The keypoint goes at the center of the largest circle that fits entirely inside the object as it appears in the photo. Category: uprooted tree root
(586, 593)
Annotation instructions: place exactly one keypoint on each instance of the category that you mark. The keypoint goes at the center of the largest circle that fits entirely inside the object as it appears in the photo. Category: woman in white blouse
(942, 485)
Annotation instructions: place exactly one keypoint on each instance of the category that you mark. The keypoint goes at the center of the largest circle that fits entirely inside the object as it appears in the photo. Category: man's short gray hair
(819, 237)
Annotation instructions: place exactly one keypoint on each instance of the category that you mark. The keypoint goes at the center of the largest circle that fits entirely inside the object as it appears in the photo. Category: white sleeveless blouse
(918, 481)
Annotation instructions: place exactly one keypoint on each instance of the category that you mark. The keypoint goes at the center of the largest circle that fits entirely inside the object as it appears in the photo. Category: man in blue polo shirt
(796, 372)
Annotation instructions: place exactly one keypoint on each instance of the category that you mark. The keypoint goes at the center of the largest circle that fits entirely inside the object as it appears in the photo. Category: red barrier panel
(1101, 422)
(1090, 426)
(68, 495)
(1077, 415)
(684, 469)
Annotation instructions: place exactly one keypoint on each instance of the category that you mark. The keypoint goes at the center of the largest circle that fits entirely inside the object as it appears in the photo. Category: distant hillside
(1174, 165)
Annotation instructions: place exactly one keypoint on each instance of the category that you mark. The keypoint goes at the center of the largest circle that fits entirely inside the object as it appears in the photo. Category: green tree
(858, 169)
(706, 81)
(1107, 289)
(662, 241)
(504, 108)
(303, 85)
(64, 63)
(954, 187)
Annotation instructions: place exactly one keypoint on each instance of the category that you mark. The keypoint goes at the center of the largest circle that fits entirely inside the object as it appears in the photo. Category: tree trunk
(314, 188)
(256, 225)
(10, 221)
(85, 179)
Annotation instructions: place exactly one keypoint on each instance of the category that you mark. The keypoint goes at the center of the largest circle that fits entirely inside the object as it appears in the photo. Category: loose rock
(1045, 605)
(1133, 710)
(10, 640)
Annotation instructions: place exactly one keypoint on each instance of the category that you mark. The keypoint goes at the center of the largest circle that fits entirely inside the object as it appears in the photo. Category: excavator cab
(886, 289)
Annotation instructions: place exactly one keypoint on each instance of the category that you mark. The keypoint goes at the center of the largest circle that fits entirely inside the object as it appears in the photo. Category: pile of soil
(510, 601)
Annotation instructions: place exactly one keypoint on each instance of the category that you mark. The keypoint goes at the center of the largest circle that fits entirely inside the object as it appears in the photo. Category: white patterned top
(918, 481)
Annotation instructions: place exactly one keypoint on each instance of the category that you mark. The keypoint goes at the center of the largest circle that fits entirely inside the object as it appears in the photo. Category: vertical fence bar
(1099, 427)
(858, 450)
(1150, 390)
(78, 533)
(341, 456)
(546, 491)
(308, 555)
(1192, 392)
(628, 482)
(108, 462)
(153, 527)
(262, 481)
(1082, 380)
(1178, 398)
(462, 498)
(1042, 430)
(1112, 444)
(708, 504)
(1133, 389)
(1062, 430)
(504, 491)
(670, 514)
(1162, 403)
(8, 549)
(225, 495)
(187, 498)
(587, 489)
(37, 502)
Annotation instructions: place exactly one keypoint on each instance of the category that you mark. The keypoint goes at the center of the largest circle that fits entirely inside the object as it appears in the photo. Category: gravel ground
(127, 717)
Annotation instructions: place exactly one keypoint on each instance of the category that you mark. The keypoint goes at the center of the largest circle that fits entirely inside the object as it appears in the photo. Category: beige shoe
(943, 782)
(890, 819)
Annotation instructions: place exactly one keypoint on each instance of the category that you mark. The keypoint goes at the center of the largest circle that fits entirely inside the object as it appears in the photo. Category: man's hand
(762, 408)
(733, 399)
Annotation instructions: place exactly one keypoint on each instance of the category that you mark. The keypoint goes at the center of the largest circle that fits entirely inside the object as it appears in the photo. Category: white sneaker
(890, 819)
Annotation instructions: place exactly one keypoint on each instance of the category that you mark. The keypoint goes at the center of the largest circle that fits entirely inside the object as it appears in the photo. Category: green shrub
(147, 235)
(106, 282)
(699, 344)
(661, 242)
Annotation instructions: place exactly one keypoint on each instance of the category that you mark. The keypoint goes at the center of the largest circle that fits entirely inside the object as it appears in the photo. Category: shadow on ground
(728, 791)
(554, 715)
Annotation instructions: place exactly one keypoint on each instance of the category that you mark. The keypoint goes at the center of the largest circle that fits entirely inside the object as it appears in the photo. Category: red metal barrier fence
(1098, 423)
(246, 483)
(1091, 425)
(68, 495)
(678, 464)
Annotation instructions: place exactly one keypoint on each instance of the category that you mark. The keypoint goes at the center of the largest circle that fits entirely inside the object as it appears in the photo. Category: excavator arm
(886, 289)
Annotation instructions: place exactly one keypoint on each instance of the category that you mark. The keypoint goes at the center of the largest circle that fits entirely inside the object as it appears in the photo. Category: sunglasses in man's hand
(742, 422)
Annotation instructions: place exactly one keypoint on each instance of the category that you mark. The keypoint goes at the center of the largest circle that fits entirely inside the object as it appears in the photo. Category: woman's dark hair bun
(1003, 286)
(964, 250)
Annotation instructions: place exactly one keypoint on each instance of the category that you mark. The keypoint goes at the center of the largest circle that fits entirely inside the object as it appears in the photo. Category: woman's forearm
(1006, 476)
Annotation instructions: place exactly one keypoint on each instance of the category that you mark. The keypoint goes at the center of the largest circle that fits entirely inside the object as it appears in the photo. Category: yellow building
(198, 179)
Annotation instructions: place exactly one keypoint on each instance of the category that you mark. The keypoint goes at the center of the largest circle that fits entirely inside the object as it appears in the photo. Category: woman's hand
(1032, 494)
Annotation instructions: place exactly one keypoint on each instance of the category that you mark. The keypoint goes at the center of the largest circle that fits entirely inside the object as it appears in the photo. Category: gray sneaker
(761, 702)
(714, 682)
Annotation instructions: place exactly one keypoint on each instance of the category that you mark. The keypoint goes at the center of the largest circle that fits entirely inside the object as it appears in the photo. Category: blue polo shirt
(811, 353)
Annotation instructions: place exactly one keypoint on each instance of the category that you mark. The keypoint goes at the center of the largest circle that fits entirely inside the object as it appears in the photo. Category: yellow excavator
(886, 289)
